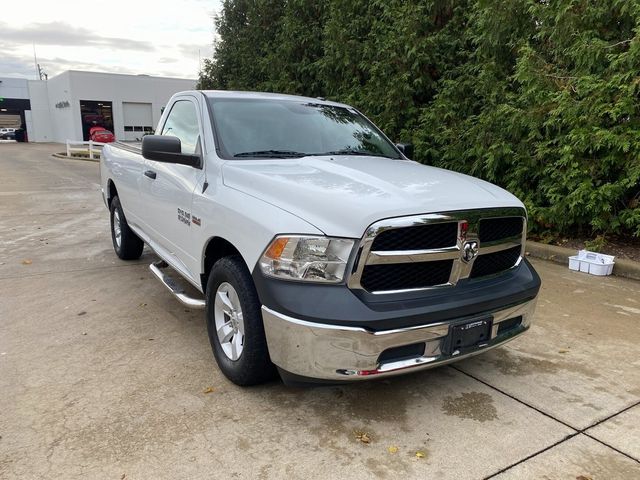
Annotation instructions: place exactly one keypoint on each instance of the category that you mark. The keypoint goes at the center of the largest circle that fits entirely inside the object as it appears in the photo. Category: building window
(137, 128)
(95, 113)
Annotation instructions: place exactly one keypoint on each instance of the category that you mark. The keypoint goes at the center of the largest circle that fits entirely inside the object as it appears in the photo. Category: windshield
(272, 128)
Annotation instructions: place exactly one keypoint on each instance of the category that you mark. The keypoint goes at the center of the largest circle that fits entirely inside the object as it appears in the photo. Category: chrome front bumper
(333, 352)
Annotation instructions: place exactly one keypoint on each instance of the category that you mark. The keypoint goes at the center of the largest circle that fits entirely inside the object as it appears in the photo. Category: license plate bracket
(468, 336)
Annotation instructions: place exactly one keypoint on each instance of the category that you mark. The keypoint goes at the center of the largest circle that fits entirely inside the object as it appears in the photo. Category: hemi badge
(195, 220)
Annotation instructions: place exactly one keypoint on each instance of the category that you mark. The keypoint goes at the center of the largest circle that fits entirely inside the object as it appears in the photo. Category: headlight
(312, 259)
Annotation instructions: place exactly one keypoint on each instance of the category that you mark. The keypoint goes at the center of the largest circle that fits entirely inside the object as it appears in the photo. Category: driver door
(168, 188)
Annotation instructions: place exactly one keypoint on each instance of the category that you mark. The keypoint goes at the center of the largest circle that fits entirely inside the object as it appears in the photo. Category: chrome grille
(428, 251)
(403, 276)
(495, 262)
(422, 237)
(492, 229)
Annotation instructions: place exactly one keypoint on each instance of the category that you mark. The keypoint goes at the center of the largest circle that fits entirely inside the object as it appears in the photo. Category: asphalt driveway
(103, 374)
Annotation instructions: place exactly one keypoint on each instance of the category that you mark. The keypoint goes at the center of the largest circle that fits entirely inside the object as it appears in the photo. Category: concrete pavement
(103, 373)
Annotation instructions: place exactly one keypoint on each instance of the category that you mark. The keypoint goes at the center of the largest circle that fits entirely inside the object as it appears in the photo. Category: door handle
(151, 174)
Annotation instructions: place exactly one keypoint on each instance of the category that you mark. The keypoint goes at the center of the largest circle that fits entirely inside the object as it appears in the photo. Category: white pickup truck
(319, 248)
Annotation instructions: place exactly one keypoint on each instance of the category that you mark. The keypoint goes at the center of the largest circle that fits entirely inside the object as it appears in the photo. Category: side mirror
(406, 149)
(168, 149)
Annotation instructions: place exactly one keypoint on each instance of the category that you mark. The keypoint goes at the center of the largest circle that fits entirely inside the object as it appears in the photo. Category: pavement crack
(586, 433)
(584, 430)
(577, 431)
(535, 454)
(611, 447)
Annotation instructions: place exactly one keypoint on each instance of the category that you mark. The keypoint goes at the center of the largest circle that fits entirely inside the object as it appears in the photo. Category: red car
(101, 134)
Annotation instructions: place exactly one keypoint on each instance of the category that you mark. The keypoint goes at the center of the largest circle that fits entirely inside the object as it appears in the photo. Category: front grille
(404, 276)
(421, 237)
(493, 263)
(428, 250)
(493, 229)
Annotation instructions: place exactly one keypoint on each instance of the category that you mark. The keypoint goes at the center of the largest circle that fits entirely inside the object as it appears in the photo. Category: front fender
(247, 222)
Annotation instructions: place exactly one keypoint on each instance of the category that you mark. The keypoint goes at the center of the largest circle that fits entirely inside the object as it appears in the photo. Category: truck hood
(343, 195)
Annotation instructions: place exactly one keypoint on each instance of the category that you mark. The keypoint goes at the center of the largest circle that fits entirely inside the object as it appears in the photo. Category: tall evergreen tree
(540, 97)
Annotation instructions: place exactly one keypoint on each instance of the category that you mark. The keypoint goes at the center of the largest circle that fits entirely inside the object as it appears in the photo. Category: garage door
(138, 120)
(9, 121)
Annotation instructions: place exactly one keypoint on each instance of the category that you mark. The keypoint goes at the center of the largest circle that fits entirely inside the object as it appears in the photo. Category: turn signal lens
(275, 249)
(311, 259)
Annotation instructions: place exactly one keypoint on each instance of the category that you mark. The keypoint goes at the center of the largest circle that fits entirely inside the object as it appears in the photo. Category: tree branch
(619, 43)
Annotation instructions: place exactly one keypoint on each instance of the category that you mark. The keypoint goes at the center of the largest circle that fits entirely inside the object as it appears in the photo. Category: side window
(182, 122)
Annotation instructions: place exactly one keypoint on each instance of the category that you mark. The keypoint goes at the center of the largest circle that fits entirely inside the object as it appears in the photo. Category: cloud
(19, 66)
(64, 34)
(63, 64)
(12, 66)
(167, 60)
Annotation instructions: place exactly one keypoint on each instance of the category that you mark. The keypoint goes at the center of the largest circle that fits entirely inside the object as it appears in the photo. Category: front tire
(234, 324)
(126, 244)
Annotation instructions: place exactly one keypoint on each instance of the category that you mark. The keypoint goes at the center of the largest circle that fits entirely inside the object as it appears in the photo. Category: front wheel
(234, 324)
(126, 244)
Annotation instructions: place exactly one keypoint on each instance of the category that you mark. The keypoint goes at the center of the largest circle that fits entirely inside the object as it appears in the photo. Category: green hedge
(540, 97)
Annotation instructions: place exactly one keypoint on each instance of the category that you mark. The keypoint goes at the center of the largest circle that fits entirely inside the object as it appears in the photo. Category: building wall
(14, 88)
(63, 119)
(40, 127)
(118, 89)
(14, 102)
(55, 104)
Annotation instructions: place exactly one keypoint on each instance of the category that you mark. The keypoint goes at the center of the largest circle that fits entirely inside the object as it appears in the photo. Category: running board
(174, 287)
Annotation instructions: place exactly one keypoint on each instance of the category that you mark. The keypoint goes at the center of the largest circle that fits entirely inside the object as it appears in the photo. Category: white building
(67, 105)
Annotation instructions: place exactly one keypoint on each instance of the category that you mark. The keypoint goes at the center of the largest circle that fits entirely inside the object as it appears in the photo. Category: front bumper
(339, 352)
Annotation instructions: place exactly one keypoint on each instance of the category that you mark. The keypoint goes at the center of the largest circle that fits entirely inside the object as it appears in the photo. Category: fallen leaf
(563, 351)
(420, 454)
(208, 390)
(143, 304)
(393, 449)
(123, 476)
(82, 313)
(26, 262)
(363, 437)
(583, 477)
(84, 333)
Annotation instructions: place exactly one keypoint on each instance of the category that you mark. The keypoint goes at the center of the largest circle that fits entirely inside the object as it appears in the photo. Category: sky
(160, 37)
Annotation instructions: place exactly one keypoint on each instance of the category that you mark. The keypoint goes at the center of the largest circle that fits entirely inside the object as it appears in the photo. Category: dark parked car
(7, 133)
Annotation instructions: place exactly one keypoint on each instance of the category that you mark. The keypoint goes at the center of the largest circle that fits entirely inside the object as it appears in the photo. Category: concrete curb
(84, 159)
(622, 268)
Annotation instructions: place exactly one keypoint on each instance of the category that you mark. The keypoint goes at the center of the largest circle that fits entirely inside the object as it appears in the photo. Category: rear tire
(126, 244)
(234, 324)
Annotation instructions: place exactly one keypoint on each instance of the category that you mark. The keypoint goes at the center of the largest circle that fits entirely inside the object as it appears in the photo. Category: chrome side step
(174, 287)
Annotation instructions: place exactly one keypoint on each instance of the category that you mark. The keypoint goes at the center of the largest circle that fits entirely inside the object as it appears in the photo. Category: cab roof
(268, 96)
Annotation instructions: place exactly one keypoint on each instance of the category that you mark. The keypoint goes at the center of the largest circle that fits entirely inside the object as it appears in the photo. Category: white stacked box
(592, 262)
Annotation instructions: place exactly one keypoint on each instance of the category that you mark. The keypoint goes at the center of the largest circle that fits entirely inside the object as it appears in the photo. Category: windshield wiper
(348, 151)
(271, 154)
